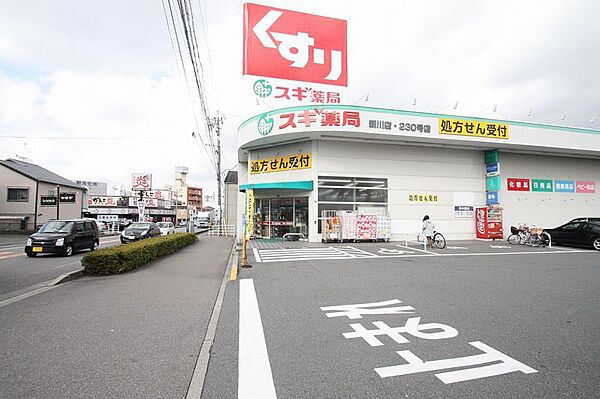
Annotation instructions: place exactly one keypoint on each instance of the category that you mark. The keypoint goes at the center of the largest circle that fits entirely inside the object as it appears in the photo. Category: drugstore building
(304, 160)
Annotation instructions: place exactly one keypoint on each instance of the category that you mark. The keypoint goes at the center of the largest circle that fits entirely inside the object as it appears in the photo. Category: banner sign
(158, 194)
(463, 212)
(492, 198)
(249, 212)
(47, 200)
(148, 202)
(141, 181)
(492, 169)
(292, 45)
(585, 186)
(514, 184)
(564, 186)
(461, 127)
(106, 201)
(279, 164)
(541, 185)
(68, 198)
(422, 198)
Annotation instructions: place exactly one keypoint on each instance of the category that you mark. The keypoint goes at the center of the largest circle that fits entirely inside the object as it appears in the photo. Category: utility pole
(216, 122)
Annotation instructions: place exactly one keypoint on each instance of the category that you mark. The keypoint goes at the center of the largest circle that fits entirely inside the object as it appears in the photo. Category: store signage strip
(473, 128)
(423, 198)
(279, 164)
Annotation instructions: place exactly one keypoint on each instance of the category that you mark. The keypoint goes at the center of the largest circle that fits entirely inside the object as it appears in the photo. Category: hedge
(122, 258)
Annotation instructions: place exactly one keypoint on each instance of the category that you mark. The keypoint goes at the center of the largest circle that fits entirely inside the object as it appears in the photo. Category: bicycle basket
(514, 230)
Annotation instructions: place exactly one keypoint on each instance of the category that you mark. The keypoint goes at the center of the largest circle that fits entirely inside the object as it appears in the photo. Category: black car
(63, 237)
(138, 231)
(577, 233)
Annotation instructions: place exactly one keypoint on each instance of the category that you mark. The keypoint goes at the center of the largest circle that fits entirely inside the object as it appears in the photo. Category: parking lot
(389, 320)
(282, 251)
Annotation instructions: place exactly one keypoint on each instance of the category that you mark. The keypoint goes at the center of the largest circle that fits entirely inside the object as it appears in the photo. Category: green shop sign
(491, 156)
(541, 185)
(492, 183)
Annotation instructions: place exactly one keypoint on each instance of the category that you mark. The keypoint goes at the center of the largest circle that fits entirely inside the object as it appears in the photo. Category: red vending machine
(488, 222)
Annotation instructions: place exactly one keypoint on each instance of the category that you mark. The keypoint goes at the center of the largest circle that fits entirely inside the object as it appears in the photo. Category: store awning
(286, 185)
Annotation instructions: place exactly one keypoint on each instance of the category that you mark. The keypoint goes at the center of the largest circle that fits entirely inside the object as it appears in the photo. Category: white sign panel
(141, 181)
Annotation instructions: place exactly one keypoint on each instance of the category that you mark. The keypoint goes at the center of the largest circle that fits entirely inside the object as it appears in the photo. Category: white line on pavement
(255, 380)
(256, 255)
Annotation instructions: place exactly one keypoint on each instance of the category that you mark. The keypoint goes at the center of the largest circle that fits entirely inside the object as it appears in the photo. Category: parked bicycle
(438, 239)
(533, 236)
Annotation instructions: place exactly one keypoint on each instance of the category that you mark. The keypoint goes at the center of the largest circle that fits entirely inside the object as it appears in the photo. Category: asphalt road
(135, 335)
(18, 272)
(542, 310)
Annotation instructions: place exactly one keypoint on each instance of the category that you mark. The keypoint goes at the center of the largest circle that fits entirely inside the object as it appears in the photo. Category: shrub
(122, 258)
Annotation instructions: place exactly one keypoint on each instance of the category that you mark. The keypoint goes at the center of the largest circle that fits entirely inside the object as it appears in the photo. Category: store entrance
(278, 216)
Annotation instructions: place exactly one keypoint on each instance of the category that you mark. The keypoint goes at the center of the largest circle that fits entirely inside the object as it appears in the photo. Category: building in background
(31, 195)
(94, 187)
(187, 198)
(230, 201)
(112, 208)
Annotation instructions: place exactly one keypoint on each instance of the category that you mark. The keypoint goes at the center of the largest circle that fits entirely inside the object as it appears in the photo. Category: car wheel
(596, 243)
(69, 250)
(95, 246)
(31, 254)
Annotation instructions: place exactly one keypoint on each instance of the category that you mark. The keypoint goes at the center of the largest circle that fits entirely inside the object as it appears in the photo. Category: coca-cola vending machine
(488, 222)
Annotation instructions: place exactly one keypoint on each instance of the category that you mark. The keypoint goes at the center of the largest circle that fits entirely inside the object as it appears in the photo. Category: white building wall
(413, 170)
(547, 209)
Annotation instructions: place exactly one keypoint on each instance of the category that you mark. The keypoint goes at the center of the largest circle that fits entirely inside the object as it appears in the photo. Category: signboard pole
(249, 226)
(57, 202)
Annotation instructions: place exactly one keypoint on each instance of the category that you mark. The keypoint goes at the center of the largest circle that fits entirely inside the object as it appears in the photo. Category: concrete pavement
(133, 335)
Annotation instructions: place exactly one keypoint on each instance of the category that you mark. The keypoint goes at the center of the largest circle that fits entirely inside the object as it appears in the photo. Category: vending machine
(488, 222)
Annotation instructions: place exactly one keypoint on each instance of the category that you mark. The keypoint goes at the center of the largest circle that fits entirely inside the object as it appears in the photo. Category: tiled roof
(37, 173)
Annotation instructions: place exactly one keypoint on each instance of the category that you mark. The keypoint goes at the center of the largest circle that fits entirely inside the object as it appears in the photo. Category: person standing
(428, 227)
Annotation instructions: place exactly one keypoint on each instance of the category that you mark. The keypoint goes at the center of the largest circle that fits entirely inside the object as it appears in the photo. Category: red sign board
(585, 186)
(513, 184)
(293, 45)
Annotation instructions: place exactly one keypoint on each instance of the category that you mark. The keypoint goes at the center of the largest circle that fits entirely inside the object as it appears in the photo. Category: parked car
(166, 228)
(586, 220)
(578, 233)
(123, 224)
(138, 231)
(63, 237)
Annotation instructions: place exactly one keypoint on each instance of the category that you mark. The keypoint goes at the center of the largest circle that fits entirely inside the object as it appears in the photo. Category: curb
(66, 277)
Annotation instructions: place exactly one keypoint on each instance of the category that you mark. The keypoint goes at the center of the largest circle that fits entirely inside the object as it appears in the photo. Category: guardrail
(223, 230)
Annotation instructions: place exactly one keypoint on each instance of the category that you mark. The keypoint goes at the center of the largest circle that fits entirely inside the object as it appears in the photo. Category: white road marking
(255, 380)
(457, 248)
(500, 246)
(415, 249)
(256, 255)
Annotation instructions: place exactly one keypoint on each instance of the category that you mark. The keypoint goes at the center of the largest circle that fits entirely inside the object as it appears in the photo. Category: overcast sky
(94, 87)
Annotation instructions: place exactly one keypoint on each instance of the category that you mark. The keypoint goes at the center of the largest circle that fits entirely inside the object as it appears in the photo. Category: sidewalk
(132, 335)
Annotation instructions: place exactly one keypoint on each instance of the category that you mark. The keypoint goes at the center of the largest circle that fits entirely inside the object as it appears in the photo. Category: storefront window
(338, 193)
(278, 216)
